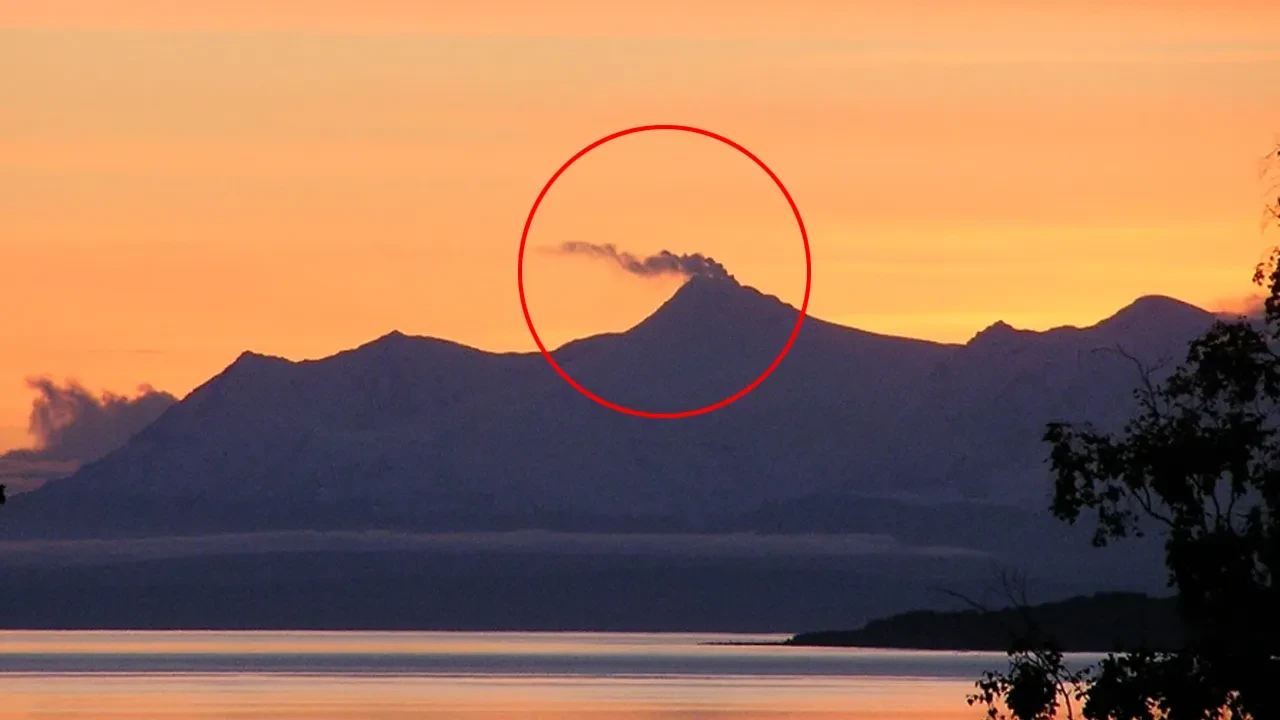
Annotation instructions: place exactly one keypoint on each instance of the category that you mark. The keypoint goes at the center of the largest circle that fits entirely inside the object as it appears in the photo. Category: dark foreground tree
(1200, 464)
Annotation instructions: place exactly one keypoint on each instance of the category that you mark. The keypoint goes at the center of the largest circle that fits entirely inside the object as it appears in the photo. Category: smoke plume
(663, 263)
(71, 426)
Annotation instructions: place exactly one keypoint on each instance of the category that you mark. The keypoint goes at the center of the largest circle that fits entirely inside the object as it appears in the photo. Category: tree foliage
(1199, 463)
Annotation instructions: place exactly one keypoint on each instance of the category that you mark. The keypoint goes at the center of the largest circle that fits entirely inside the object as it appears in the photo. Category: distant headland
(1104, 622)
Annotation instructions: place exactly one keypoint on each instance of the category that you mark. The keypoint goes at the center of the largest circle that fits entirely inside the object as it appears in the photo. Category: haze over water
(491, 676)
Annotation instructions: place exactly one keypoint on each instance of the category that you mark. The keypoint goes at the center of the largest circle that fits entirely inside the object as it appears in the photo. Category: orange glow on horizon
(180, 182)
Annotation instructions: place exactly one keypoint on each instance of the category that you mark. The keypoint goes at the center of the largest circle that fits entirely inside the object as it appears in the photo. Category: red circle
(808, 273)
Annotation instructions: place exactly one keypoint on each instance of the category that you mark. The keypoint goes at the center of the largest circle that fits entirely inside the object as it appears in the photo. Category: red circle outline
(808, 273)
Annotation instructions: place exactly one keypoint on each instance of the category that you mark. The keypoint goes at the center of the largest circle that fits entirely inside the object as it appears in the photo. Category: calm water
(381, 676)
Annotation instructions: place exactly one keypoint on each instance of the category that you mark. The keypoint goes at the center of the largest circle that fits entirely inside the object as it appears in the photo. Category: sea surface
(461, 675)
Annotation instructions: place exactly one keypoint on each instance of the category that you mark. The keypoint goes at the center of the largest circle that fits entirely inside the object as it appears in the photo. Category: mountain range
(425, 434)
(908, 443)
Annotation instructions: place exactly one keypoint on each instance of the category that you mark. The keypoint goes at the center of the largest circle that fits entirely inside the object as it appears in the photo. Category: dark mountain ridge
(426, 434)
(408, 475)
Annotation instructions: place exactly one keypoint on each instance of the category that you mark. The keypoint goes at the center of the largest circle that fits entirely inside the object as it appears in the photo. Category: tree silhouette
(1199, 463)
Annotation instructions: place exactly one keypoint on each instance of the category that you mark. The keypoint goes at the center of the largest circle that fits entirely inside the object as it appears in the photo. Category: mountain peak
(1157, 311)
(719, 296)
(722, 284)
(248, 358)
(395, 338)
(713, 305)
(1159, 303)
(406, 350)
(998, 333)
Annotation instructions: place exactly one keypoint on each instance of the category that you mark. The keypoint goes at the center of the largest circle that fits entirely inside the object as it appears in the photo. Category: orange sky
(183, 181)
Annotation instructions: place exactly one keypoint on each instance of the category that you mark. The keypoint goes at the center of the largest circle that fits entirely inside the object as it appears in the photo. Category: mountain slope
(424, 434)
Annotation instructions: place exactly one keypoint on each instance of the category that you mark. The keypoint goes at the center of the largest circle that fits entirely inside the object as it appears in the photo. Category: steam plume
(663, 263)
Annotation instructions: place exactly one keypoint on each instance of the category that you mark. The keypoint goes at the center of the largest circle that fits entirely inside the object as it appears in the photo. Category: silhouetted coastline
(1103, 622)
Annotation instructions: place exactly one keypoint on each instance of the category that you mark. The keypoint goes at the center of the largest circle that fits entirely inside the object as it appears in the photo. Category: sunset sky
(182, 181)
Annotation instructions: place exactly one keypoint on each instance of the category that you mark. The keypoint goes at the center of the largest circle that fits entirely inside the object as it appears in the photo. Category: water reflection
(482, 676)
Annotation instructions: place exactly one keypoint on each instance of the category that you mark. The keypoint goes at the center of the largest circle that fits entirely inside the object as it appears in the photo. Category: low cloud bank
(684, 545)
(70, 426)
